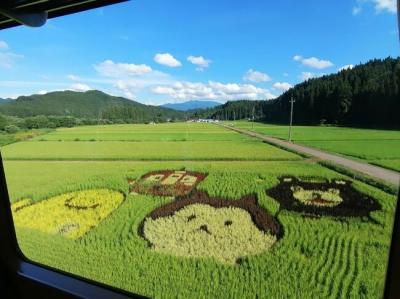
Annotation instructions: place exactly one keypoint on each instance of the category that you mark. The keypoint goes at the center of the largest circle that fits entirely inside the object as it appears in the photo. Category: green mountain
(3, 101)
(241, 109)
(91, 105)
(366, 95)
(191, 105)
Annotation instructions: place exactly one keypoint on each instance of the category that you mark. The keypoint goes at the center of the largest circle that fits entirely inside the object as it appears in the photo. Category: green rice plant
(299, 264)
(385, 186)
(315, 258)
(140, 132)
(393, 164)
(368, 144)
(268, 203)
(146, 151)
(199, 230)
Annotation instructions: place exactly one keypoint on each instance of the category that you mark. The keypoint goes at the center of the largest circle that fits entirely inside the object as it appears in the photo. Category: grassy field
(314, 258)
(7, 138)
(393, 164)
(149, 132)
(367, 144)
(171, 150)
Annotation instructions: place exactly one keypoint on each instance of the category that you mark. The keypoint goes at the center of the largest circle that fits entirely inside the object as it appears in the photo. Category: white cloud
(124, 85)
(81, 87)
(306, 75)
(167, 60)
(346, 67)
(317, 63)
(256, 76)
(127, 80)
(356, 10)
(7, 59)
(212, 90)
(73, 78)
(41, 92)
(385, 6)
(200, 61)
(313, 62)
(111, 69)
(380, 6)
(3, 45)
(128, 87)
(283, 86)
(297, 58)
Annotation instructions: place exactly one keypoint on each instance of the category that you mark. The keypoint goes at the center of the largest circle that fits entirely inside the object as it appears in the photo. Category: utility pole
(252, 124)
(291, 118)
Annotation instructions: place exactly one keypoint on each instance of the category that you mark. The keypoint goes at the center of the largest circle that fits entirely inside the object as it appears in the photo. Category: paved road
(372, 170)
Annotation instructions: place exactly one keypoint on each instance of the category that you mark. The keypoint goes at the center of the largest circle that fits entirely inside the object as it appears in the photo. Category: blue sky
(173, 51)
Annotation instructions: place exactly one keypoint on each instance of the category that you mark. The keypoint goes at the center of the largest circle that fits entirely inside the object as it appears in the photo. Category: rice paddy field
(380, 147)
(143, 132)
(167, 211)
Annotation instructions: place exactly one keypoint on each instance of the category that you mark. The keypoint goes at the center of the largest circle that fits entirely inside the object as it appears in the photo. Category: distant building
(204, 120)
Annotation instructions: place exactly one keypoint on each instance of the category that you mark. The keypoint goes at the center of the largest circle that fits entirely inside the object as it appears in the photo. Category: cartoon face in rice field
(202, 226)
(321, 197)
(166, 182)
(70, 214)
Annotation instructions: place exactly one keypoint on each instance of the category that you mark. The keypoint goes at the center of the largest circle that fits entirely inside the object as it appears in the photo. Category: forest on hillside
(69, 108)
(366, 95)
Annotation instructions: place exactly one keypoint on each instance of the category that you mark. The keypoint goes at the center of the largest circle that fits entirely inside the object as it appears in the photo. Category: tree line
(366, 95)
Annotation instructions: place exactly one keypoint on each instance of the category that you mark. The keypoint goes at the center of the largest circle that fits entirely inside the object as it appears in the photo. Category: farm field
(366, 144)
(7, 138)
(171, 150)
(201, 218)
(391, 164)
(143, 132)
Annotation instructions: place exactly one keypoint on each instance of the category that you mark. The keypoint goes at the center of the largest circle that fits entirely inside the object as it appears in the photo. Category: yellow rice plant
(70, 214)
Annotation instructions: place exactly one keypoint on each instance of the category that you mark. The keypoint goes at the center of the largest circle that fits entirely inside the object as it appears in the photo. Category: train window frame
(65, 284)
(26, 276)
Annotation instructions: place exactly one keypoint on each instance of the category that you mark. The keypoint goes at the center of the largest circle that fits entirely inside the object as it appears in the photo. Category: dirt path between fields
(372, 170)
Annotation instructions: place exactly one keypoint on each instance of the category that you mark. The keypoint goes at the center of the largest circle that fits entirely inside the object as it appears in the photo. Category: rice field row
(393, 164)
(142, 132)
(312, 257)
(366, 144)
(316, 258)
(319, 133)
(155, 150)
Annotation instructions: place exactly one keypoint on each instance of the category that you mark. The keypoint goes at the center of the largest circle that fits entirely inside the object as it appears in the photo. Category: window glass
(213, 149)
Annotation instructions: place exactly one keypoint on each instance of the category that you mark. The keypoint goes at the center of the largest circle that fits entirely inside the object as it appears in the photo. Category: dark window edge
(56, 11)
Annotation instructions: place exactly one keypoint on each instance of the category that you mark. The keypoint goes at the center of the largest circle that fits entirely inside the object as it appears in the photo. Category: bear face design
(321, 197)
(202, 226)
